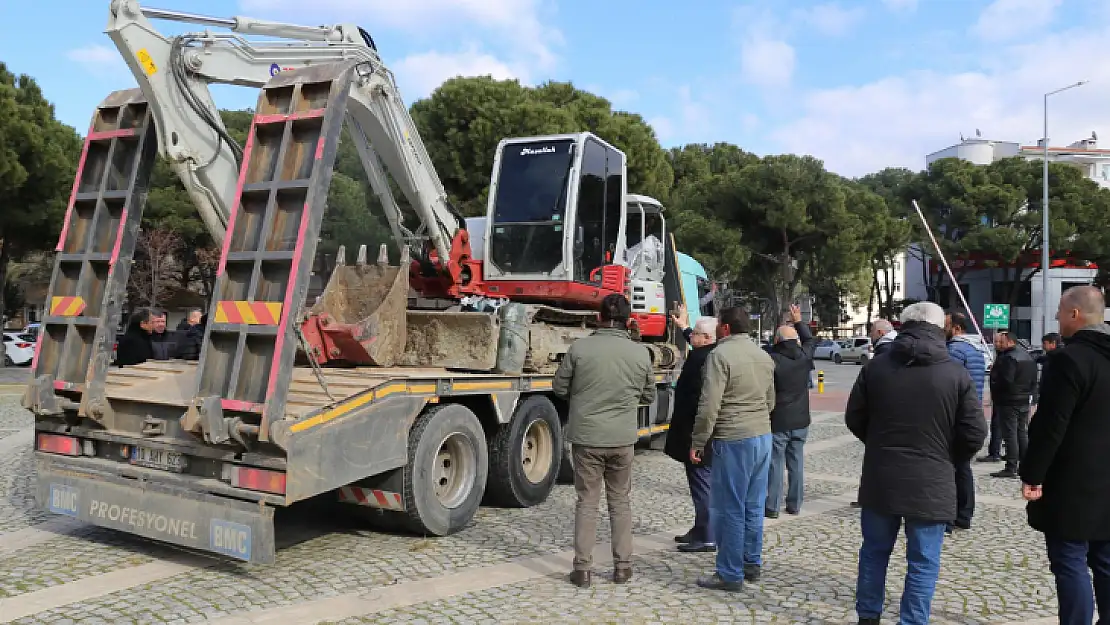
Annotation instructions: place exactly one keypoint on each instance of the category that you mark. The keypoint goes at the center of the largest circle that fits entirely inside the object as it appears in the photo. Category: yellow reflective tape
(358, 402)
(75, 307)
(541, 384)
(655, 429)
(481, 386)
(148, 63)
(246, 313)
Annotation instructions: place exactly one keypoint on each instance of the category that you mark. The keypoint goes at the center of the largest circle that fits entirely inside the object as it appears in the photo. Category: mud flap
(230, 528)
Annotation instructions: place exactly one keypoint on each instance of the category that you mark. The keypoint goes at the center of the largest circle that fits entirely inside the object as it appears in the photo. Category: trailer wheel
(525, 455)
(445, 477)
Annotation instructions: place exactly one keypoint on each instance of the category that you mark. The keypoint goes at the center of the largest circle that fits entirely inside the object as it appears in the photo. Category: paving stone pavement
(995, 573)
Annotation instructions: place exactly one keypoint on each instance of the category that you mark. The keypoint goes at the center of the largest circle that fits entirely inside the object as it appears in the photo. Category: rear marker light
(54, 444)
(258, 479)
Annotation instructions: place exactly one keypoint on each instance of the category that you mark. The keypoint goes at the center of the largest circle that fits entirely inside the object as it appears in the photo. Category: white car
(856, 349)
(827, 349)
(19, 349)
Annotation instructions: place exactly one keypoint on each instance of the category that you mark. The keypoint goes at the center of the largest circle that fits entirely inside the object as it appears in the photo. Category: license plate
(158, 459)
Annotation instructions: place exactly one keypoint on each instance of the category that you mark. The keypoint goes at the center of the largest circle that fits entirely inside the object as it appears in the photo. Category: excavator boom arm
(174, 74)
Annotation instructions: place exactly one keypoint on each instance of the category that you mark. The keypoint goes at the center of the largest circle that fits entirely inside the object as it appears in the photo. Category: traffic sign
(996, 316)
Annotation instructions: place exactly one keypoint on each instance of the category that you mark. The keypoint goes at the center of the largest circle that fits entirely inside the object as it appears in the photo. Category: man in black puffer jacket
(1013, 381)
(702, 337)
(793, 356)
(918, 414)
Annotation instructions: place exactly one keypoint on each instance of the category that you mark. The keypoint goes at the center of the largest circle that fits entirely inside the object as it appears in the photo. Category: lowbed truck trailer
(423, 445)
(416, 415)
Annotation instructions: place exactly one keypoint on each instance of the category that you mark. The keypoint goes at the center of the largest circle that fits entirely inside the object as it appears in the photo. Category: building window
(897, 287)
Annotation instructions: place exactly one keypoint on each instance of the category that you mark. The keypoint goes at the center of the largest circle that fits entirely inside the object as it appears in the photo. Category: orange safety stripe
(249, 313)
(67, 306)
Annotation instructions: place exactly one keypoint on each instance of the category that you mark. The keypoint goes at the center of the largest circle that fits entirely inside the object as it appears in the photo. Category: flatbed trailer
(404, 443)
(200, 454)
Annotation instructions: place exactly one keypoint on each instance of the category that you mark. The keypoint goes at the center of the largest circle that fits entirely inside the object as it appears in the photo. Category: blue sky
(862, 84)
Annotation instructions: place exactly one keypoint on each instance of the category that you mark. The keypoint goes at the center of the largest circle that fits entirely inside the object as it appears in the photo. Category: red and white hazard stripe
(381, 499)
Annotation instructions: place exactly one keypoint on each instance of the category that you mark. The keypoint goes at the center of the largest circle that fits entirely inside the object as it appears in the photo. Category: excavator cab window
(600, 208)
(529, 212)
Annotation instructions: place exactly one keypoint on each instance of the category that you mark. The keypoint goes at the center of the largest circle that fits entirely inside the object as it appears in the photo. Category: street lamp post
(1045, 261)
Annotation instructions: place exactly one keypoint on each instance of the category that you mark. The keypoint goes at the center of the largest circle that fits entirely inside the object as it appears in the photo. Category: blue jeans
(737, 496)
(698, 476)
(923, 543)
(1072, 563)
(786, 453)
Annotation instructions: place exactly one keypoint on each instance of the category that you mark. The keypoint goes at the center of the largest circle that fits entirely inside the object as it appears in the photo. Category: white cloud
(420, 74)
(692, 120)
(900, 5)
(831, 18)
(897, 120)
(98, 59)
(1004, 20)
(767, 62)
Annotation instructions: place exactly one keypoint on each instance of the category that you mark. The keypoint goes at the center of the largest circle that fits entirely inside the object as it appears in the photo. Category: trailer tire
(525, 455)
(445, 477)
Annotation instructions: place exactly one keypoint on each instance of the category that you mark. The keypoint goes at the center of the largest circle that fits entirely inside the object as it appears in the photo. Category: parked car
(827, 349)
(19, 349)
(857, 349)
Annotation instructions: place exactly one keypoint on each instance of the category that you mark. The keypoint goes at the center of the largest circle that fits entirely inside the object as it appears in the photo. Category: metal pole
(1045, 248)
(944, 261)
(1045, 261)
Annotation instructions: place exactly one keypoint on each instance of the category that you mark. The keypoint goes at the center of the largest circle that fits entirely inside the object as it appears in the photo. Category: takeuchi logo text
(276, 69)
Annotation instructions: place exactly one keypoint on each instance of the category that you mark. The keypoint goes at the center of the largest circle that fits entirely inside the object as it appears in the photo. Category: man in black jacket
(882, 336)
(702, 337)
(917, 413)
(1065, 476)
(1013, 380)
(134, 347)
(793, 356)
(1049, 342)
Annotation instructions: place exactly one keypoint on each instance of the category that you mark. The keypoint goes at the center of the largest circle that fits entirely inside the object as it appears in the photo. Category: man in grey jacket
(734, 413)
(605, 377)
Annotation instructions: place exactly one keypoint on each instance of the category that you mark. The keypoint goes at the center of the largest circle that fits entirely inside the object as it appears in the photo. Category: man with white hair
(702, 337)
(917, 412)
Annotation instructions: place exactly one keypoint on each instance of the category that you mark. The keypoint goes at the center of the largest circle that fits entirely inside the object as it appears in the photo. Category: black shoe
(793, 512)
(854, 504)
(621, 576)
(580, 578)
(698, 547)
(770, 515)
(989, 458)
(688, 537)
(752, 572)
(1006, 474)
(714, 582)
(869, 621)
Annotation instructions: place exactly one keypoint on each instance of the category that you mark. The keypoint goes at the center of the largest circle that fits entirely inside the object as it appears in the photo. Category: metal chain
(312, 360)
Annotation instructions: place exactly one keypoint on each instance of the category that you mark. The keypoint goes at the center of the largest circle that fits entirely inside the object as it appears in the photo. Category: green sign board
(996, 316)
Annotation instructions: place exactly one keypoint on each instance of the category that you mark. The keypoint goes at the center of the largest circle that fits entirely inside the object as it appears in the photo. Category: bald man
(793, 356)
(1065, 476)
(882, 335)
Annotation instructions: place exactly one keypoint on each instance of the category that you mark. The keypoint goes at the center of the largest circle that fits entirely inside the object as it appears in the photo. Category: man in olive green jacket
(734, 414)
(605, 377)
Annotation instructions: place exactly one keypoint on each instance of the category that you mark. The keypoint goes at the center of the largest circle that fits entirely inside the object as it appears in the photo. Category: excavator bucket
(359, 319)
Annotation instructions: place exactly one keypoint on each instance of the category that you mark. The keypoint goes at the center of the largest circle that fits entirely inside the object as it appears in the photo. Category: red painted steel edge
(238, 198)
(119, 240)
(240, 405)
(112, 134)
(287, 305)
(73, 195)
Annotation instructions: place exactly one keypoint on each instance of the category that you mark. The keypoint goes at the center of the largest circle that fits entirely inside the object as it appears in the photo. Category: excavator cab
(646, 261)
(556, 219)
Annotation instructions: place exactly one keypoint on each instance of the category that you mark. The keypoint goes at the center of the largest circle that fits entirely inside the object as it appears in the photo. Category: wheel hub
(536, 451)
(455, 469)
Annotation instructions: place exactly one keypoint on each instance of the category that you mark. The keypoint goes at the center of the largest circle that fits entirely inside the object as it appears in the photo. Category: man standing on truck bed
(605, 377)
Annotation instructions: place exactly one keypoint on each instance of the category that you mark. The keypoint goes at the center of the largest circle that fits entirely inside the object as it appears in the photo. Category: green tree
(879, 200)
(38, 157)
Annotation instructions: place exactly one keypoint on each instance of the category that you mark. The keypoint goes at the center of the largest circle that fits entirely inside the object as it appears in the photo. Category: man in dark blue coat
(968, 350)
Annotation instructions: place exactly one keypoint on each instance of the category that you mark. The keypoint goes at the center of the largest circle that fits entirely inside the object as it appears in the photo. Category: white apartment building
(987, 286)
